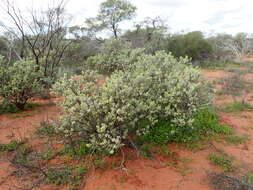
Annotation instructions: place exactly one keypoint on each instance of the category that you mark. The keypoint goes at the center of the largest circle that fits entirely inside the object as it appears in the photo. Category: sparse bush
(235, 86)
(192, 44)
(156, 87)
(116, 55)
(19, 82)
(221, 181)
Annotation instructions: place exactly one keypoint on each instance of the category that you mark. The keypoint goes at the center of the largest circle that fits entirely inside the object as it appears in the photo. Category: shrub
(5, 107)
(19, 82)
(192, 44)
(116, 55)
(156, 87)
(235, 86)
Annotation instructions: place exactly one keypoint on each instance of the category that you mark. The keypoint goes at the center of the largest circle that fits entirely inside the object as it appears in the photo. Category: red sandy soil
(249, 59)
(141, 174)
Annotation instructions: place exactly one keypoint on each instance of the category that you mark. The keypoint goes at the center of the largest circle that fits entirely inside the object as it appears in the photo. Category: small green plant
(68, 175)
(196, 146)
(30, 105)
(237, 107)
(146, 151)
(222, 160)
(164, 132)
(78, 150)
(122, 180)
(20, 115)
(183, 169)
(47, 155)
(9, 147)
(206, 121)
(46, 129)
(5, 107)
(234, 139)
(99, 163)
(249, 178)
(21, 156)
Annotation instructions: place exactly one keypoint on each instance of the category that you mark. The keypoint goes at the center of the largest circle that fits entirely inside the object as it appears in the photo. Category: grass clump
(234, 139)
(46, 129)
(6, 107)
(249, 178)
(224, 182)
(31, 105)
(9, 147)
(205, 121)
(196, 146)
(146, 151)
(67, 175)
(222, 160)
(216, 64)
(237, 107)
(75, 151)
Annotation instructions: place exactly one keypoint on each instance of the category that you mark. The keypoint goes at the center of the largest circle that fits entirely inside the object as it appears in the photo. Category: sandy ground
(161, 173)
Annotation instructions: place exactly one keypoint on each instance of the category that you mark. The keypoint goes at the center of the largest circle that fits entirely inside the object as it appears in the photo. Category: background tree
(232, 47)
(111, 14)
(192, 44)
(149, 34)
(42, 34)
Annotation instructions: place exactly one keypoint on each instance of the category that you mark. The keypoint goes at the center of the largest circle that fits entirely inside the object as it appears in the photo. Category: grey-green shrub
(156, 86)
(19, 82)
(116, 55)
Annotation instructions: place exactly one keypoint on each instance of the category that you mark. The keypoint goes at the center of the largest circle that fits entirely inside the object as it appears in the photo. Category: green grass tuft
(9, 147)
(46, 129)
(222, 160)
(233, 139)
(67, 175)
(237, 107)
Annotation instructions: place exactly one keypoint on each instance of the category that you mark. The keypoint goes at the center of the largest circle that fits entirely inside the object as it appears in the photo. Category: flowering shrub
(116, 55)
(155, 87)
(19, 82)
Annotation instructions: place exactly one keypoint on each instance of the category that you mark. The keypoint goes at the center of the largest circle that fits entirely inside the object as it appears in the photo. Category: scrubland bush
(192, 44)
(155, 87)
(116, 55)
(236, 86)
(19, 82)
